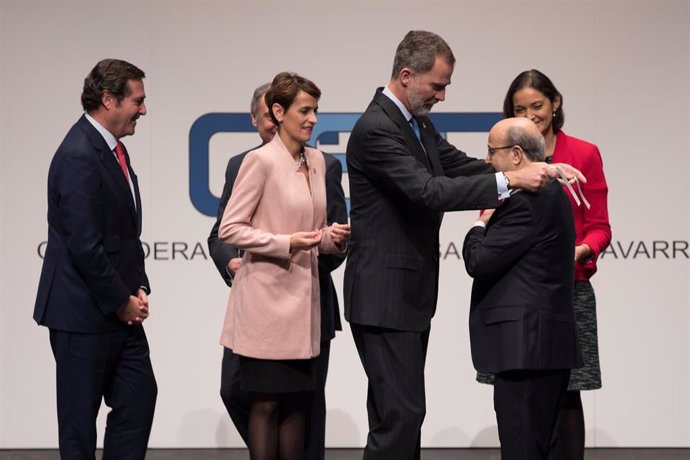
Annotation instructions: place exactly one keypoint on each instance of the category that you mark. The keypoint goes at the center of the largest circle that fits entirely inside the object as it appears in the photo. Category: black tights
(276, 426)
(571, 428)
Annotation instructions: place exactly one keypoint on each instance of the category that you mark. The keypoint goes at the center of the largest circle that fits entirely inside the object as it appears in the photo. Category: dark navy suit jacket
(398, 193)
(521, 313)
(94, 258)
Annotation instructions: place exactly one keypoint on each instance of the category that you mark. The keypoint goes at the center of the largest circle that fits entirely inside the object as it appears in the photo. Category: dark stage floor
(356, 454)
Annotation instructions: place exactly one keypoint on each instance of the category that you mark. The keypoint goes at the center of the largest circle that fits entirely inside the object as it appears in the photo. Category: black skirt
(277, 376)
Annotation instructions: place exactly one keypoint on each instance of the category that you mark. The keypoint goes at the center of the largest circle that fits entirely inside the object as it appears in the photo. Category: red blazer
(591, 225)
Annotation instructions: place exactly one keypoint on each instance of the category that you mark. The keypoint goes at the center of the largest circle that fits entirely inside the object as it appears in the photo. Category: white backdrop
(622, 66)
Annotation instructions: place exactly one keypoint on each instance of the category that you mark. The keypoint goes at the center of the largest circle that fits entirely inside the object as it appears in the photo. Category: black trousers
(396, 404)
(114, 367)
(238, 403)
(527, 404)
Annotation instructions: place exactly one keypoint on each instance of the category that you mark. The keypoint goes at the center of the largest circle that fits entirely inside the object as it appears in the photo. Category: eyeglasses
(492, 150)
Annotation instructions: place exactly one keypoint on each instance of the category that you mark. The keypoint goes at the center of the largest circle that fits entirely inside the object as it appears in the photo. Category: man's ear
(405, 76)
(517, 155)
(107, 100)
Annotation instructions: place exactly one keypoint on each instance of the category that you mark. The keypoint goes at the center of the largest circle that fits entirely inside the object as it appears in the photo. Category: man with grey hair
(522, 322)
(403, 175)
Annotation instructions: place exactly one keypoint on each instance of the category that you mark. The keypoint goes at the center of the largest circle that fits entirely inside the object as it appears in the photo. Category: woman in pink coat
(277, 216)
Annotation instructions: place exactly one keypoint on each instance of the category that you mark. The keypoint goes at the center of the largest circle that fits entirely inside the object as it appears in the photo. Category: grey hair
(418, 52)
(258, 93)
(532, 144)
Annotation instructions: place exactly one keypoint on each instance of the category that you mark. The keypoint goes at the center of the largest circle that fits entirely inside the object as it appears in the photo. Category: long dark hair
(535, 79)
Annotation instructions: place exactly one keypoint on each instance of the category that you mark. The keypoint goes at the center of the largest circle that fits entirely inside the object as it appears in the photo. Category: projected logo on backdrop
(327, 133)
(330, 135)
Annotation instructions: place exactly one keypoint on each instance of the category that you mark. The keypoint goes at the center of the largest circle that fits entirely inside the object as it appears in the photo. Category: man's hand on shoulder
(538, 174)
(571, 174)
(531, 178)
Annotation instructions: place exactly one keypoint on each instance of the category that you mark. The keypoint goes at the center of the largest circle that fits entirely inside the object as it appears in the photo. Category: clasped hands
(338, 233)
(136, 310)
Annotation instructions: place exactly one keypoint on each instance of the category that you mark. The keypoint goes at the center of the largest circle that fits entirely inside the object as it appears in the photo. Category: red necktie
(120, 152)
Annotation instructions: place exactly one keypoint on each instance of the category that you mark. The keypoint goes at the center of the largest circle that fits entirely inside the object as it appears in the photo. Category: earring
(554, 114)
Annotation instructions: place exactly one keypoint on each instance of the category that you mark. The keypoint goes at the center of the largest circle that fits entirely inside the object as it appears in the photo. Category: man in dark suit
(93, 291)
(227, 260)
(522, 323)
(400, 185)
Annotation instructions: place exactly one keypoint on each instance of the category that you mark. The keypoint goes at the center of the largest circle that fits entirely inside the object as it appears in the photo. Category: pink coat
(273, 311)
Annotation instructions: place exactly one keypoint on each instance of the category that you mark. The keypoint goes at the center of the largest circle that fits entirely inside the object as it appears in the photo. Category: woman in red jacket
(533, 95)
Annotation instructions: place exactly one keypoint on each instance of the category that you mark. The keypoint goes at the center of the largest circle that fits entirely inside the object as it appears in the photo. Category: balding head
(514, 143)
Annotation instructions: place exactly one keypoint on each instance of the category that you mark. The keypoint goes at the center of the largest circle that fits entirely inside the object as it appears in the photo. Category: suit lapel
(411, 140)
(417, 145)
(135, 183)
(110, 163)
(113, 168)
(428, 133)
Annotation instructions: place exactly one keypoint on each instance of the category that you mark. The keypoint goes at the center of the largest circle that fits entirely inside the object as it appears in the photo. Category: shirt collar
(406, 113)
(107, 135)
